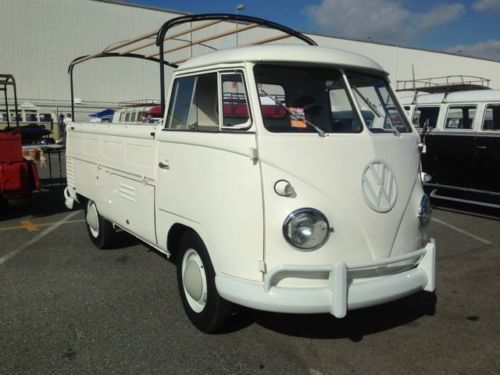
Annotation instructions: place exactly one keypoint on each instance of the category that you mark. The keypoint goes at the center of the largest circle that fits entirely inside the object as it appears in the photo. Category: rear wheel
(100, 230)
(206, 309)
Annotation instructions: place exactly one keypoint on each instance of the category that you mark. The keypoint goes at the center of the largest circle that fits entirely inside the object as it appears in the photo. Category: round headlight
(425, 211)
(306, 229)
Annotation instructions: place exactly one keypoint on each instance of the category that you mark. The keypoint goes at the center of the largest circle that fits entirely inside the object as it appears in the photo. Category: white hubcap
(92, 219)
(194, 280)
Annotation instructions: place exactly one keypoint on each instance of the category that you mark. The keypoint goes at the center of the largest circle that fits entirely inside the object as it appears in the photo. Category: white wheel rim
(194, 280)
(92, 219)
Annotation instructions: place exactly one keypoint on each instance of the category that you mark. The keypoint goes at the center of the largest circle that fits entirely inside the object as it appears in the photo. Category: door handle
(481, 147)
(164, 164)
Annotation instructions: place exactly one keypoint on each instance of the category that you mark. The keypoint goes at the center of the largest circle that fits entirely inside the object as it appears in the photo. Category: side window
(427, 116)
(132, 116)
(142, 116)
(127, 117)
(234, 101)
(31, 116)
(492, 117)
(180, 104)
(460, 117)
(45, 117)
(194, 104)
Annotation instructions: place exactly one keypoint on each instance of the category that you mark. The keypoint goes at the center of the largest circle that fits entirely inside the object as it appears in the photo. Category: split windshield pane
(377, 104)
(294, 98)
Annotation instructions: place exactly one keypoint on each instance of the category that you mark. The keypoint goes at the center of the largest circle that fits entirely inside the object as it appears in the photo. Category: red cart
(18, 176)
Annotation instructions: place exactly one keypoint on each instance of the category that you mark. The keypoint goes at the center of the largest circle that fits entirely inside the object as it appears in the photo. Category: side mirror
(416, 117)
(426, 129)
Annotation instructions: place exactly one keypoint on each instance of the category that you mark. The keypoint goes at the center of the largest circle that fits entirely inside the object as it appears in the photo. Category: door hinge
(253, 153)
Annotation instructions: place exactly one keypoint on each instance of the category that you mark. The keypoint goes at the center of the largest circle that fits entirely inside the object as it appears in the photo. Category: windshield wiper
(294, 116)
(388, 113)
(376, 111)
(368, 102)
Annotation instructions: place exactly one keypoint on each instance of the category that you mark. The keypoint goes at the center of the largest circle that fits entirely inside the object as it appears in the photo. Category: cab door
(428, 116)
(487, 151)
(208, 173)
(451, 150)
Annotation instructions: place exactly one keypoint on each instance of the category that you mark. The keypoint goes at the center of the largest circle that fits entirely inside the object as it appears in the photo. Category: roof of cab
(284, 53)
(455, 97)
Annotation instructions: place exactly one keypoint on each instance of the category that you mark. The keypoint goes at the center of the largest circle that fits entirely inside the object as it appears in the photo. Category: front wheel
(100, 230)
(206, 309)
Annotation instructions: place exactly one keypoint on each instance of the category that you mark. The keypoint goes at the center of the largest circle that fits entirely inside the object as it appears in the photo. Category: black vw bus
(461, 132)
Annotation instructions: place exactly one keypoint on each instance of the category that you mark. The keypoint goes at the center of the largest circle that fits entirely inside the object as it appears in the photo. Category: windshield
(312, 99)
(377, 103)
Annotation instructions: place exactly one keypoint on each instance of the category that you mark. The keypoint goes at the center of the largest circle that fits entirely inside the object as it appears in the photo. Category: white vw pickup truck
(283, 177)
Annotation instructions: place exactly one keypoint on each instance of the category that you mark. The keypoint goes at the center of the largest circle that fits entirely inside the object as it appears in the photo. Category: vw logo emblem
(379, 186)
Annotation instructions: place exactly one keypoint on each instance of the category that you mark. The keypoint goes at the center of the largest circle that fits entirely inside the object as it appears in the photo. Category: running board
(434, 194)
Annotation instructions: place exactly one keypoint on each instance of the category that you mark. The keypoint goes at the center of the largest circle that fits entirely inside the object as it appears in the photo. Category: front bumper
(344, 291)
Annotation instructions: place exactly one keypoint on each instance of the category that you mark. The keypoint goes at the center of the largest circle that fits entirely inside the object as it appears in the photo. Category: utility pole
(239, 8)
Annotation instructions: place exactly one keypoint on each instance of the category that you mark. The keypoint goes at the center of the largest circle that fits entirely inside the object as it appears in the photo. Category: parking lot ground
(66, 307)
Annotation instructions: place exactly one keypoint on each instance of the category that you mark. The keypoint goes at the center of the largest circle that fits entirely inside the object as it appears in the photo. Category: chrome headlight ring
(306, 229)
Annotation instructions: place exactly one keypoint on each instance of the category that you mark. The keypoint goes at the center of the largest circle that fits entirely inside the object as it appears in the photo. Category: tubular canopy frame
(8, 80)
(135, 47)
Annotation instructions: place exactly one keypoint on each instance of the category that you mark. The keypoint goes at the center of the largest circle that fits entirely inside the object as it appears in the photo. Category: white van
(29, 114)
(137, 112)
(284, 178)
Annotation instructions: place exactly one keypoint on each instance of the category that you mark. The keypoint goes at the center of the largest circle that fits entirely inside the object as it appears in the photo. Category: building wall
(39, 38)
(398, 61)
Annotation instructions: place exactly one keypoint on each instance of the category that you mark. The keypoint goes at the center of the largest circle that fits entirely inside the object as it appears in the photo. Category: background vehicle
(462, 149)
(36, 125)
(138, 111)
(283, 178)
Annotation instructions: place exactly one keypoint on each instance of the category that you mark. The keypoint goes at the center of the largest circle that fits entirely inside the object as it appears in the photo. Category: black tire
(206, 309)
(100, 230)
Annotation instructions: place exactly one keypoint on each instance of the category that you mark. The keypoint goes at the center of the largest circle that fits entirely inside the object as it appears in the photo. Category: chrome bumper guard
(341, 293)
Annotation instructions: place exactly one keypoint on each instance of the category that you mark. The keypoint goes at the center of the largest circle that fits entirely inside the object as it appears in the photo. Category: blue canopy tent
(105, 115)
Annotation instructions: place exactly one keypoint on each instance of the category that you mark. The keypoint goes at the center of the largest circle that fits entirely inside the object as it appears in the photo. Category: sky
(469, 27)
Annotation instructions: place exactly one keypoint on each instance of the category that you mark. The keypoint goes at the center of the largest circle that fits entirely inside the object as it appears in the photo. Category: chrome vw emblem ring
(379, 186)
